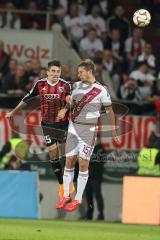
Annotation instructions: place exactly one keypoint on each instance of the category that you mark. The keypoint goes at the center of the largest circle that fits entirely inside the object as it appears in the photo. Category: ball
(141, 18)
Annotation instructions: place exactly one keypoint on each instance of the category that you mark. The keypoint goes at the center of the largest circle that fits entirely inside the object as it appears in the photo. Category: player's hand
(116, 138)
(69, 100)
(61, 113)
(9, 115)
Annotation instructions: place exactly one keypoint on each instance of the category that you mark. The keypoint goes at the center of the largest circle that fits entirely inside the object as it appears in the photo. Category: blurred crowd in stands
(96, 29)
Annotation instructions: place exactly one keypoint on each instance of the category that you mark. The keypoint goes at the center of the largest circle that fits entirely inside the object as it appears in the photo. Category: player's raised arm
(19, 107)
(24, 102)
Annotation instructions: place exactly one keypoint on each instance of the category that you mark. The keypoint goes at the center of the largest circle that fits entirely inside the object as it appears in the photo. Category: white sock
(67, 179)
(81, 184)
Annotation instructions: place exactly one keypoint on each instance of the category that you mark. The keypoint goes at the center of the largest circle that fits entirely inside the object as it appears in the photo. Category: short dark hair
(55, 62)
(88, 64)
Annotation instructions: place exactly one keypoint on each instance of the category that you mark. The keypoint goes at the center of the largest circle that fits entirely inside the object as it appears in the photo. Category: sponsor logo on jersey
(50, 97)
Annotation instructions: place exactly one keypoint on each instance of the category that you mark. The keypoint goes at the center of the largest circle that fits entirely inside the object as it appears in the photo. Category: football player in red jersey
(53, 92)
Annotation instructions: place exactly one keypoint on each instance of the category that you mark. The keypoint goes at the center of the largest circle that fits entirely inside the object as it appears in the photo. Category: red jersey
(52, 98)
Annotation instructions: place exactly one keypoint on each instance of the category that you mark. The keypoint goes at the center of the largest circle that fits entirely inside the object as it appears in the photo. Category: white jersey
(88, 100)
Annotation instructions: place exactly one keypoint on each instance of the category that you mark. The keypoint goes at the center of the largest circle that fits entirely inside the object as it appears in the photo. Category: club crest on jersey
(61, 89)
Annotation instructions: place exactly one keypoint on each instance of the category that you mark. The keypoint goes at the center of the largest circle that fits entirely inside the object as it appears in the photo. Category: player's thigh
(49, 135)
(85, 150)
(71, 148)
(61, 148)
(53, 151)
(87, 144)
(61, 131)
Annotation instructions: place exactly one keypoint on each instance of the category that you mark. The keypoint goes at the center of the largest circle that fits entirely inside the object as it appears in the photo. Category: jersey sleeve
(32, 93)
(105, 98)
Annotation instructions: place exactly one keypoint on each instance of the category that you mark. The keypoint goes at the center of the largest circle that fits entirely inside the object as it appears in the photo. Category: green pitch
(11, 229)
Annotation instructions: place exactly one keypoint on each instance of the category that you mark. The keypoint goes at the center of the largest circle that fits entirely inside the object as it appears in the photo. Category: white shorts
(80, 140)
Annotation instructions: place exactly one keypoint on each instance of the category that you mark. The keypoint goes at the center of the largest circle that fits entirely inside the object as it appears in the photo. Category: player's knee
(83, 165)
(70, 162)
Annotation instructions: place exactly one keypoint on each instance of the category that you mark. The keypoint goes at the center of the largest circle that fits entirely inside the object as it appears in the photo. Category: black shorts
(54, 132)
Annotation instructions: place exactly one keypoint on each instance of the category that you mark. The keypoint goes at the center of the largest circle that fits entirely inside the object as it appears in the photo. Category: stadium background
(40, 34)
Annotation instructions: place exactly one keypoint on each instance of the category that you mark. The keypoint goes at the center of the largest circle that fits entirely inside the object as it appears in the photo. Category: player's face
(54, 73)
(83, 74)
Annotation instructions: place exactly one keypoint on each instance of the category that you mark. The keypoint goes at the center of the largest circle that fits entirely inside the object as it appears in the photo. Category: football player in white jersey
(87, 98)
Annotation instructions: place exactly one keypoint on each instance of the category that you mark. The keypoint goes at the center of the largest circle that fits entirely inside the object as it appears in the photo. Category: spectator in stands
(42, 73)
(82, 7)
(28, 66)
(114, 44)
(33, 74)
(99, 70)
(12, 66)
(74, 25)
(90, 44)
(96, 21)
(128, 90)
(118, 21)
(55, 23)
(10, 19)
(73, 75)
(147, 55)
(66, 72)
(32, 20)
(113, 68)
(60, 8)
(133, 48)
(144, 80)
(10, 73)
(4, 59)
(15, 85)
(106, 6)
(93, 187)
(155, 92)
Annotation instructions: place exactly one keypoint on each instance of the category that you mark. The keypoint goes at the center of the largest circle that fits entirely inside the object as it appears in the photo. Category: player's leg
(68, 175)
(81, 184)
(67, 181)
(61, 148)
(56, 164)
(61, 138)
(85, 149)
(71, 158)
(57, 167)
(51, 142)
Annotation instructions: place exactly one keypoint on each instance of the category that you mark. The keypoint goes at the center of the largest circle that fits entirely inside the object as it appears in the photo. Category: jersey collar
(52, 84)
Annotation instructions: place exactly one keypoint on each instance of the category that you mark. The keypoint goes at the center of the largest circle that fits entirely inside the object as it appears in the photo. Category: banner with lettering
(24, 44)
(118, 159)
(28, 123)
(134, 132)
